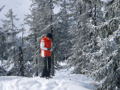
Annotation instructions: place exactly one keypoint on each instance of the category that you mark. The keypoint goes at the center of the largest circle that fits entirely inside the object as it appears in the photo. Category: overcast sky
(20, 8)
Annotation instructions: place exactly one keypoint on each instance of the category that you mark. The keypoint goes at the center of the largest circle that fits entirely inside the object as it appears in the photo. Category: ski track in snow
(62, 81)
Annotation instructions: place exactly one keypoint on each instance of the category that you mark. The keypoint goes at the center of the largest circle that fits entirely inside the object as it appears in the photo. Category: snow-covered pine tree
(82, 37)
(96, 51)
(40, 24)
(107, 58)
(61, 36)
(2, 44)
(2, 52)
(10, 31)
(21, 62)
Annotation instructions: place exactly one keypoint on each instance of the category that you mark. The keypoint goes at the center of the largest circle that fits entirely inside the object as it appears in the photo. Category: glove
(48, 48)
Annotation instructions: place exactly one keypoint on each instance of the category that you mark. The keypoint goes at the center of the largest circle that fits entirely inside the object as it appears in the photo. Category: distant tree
(40, 24)
(10, 31)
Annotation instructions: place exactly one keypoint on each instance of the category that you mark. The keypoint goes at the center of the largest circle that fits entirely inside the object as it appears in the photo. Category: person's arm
(42, 45)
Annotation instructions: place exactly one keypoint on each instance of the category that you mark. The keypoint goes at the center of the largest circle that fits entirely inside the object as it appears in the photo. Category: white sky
(20, 8)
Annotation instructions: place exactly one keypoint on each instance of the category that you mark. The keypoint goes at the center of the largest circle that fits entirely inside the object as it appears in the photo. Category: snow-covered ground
(62, 81)
(106, 1)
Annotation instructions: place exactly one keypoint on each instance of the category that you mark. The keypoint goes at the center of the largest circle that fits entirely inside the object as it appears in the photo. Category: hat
(49, 35)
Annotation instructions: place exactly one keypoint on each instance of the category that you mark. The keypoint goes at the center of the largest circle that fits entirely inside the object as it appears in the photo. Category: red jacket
(45, 46)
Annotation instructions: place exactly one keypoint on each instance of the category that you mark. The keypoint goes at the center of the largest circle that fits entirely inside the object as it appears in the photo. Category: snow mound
(62, 81)
(106, 1)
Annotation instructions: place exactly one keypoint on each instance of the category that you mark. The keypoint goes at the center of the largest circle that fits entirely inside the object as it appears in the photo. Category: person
(46, 45)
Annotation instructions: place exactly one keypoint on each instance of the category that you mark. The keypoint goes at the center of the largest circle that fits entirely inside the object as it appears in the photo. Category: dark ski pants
(47, 67)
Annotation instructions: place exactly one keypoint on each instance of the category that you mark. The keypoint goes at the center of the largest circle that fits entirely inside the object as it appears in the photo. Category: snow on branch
(106, 1)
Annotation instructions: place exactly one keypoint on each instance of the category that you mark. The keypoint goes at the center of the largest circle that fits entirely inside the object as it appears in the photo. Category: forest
(86, 35)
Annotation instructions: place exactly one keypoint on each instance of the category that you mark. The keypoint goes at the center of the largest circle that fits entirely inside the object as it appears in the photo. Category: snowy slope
(62, 81)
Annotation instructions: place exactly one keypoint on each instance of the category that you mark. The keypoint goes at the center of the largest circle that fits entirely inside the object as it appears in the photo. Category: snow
(62, 81)
(106, 1)
(56, 9)
(7, 65)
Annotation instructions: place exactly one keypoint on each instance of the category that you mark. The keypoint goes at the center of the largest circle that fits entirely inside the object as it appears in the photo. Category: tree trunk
(21, 61)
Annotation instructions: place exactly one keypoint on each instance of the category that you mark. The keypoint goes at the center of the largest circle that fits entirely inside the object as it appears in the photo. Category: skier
(46, 52)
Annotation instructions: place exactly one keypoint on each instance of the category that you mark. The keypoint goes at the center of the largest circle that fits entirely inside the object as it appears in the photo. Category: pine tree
(40, 24)
(10, 31)
(21, 61)
(95, 53)
(62, 35)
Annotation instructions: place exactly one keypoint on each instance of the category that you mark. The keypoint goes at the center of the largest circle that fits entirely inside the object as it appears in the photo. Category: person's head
(49, 35)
